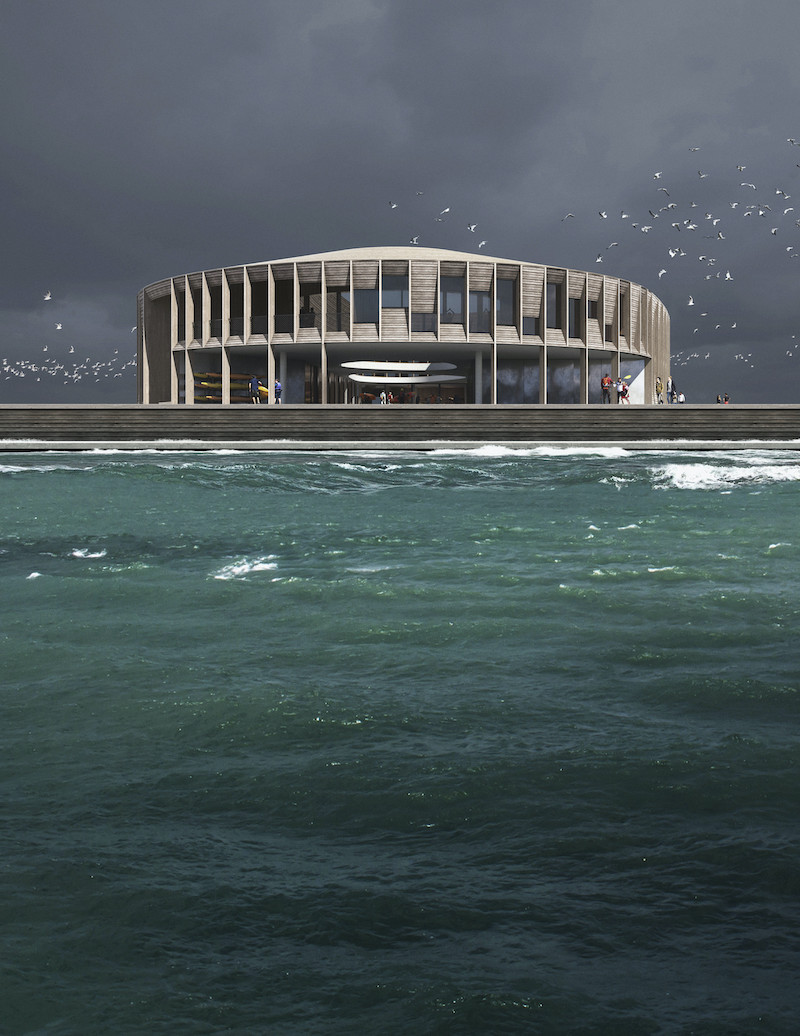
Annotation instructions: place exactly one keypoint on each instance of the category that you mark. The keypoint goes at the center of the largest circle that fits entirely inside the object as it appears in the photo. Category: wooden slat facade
(297, 314)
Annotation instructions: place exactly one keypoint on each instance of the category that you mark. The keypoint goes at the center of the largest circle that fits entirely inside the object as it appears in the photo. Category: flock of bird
(685, 228)
(675, 221)
(69, 372)
(440, 218)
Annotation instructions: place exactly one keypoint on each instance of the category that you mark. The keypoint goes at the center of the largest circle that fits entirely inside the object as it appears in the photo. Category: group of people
(672, 394)
(255, 390)
(608, 385)
(723, 399)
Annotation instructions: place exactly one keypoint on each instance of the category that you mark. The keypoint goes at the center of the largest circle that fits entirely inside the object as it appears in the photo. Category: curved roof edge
(392, 252)
(399, 252)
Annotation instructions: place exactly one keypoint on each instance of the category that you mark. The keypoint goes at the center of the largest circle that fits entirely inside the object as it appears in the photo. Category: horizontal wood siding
(452, 333)
(365, 332)
(394, 324)
(337, 275)
(480, 276)
(424, 281)
(532, 291)
(365, 273)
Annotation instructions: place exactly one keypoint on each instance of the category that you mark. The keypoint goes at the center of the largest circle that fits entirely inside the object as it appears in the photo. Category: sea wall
(27, 427)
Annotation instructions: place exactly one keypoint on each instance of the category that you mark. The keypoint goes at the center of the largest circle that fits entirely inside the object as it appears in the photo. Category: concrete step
(457, 423)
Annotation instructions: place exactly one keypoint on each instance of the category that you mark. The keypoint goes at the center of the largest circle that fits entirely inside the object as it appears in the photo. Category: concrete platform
(424, 427)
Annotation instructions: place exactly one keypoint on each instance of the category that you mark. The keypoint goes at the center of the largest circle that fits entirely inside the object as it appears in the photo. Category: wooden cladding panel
(450, 269)
(394, 323)
(395, 267)
(257, 274)
(635, 314)
(576, 283)
(309, 273)
(452, 333)
(532, 291)
(365, 273)
(594, 334)
(283, 271)
(480, 276)
(424, 282)
(337, 275)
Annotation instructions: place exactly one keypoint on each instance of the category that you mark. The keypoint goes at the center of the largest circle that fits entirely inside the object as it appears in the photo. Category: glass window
(576, 318)
(395, 291)
(554, 296)
(310, 305)
(365, 305)
(423, 321)
(480, 311)
(451, 291)
(530, 326)
(338, 310)
(507, 303)
(594, 309)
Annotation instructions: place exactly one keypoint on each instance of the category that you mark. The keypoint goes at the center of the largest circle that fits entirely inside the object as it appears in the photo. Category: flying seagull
(48, 296)
(471, 227)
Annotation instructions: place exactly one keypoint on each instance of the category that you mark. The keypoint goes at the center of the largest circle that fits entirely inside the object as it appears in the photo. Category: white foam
(245, 567)
(774, 546)
(724, 476)
(34, 575)
(367, 569)
(84, 552)
(495, 450)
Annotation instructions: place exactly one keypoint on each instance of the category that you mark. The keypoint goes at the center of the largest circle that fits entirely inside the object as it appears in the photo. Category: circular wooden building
(412, 324)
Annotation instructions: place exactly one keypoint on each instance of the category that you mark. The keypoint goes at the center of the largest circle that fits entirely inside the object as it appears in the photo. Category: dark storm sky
(149, 139)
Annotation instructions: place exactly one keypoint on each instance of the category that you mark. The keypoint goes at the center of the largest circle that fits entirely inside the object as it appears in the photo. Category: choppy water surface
(479, 742)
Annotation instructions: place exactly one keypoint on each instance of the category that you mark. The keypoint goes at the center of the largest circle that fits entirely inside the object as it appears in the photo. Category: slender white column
(271, 374)
(188, 379)
(226, 377)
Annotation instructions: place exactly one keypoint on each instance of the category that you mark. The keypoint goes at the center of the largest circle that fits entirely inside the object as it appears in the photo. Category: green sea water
(486, 741)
